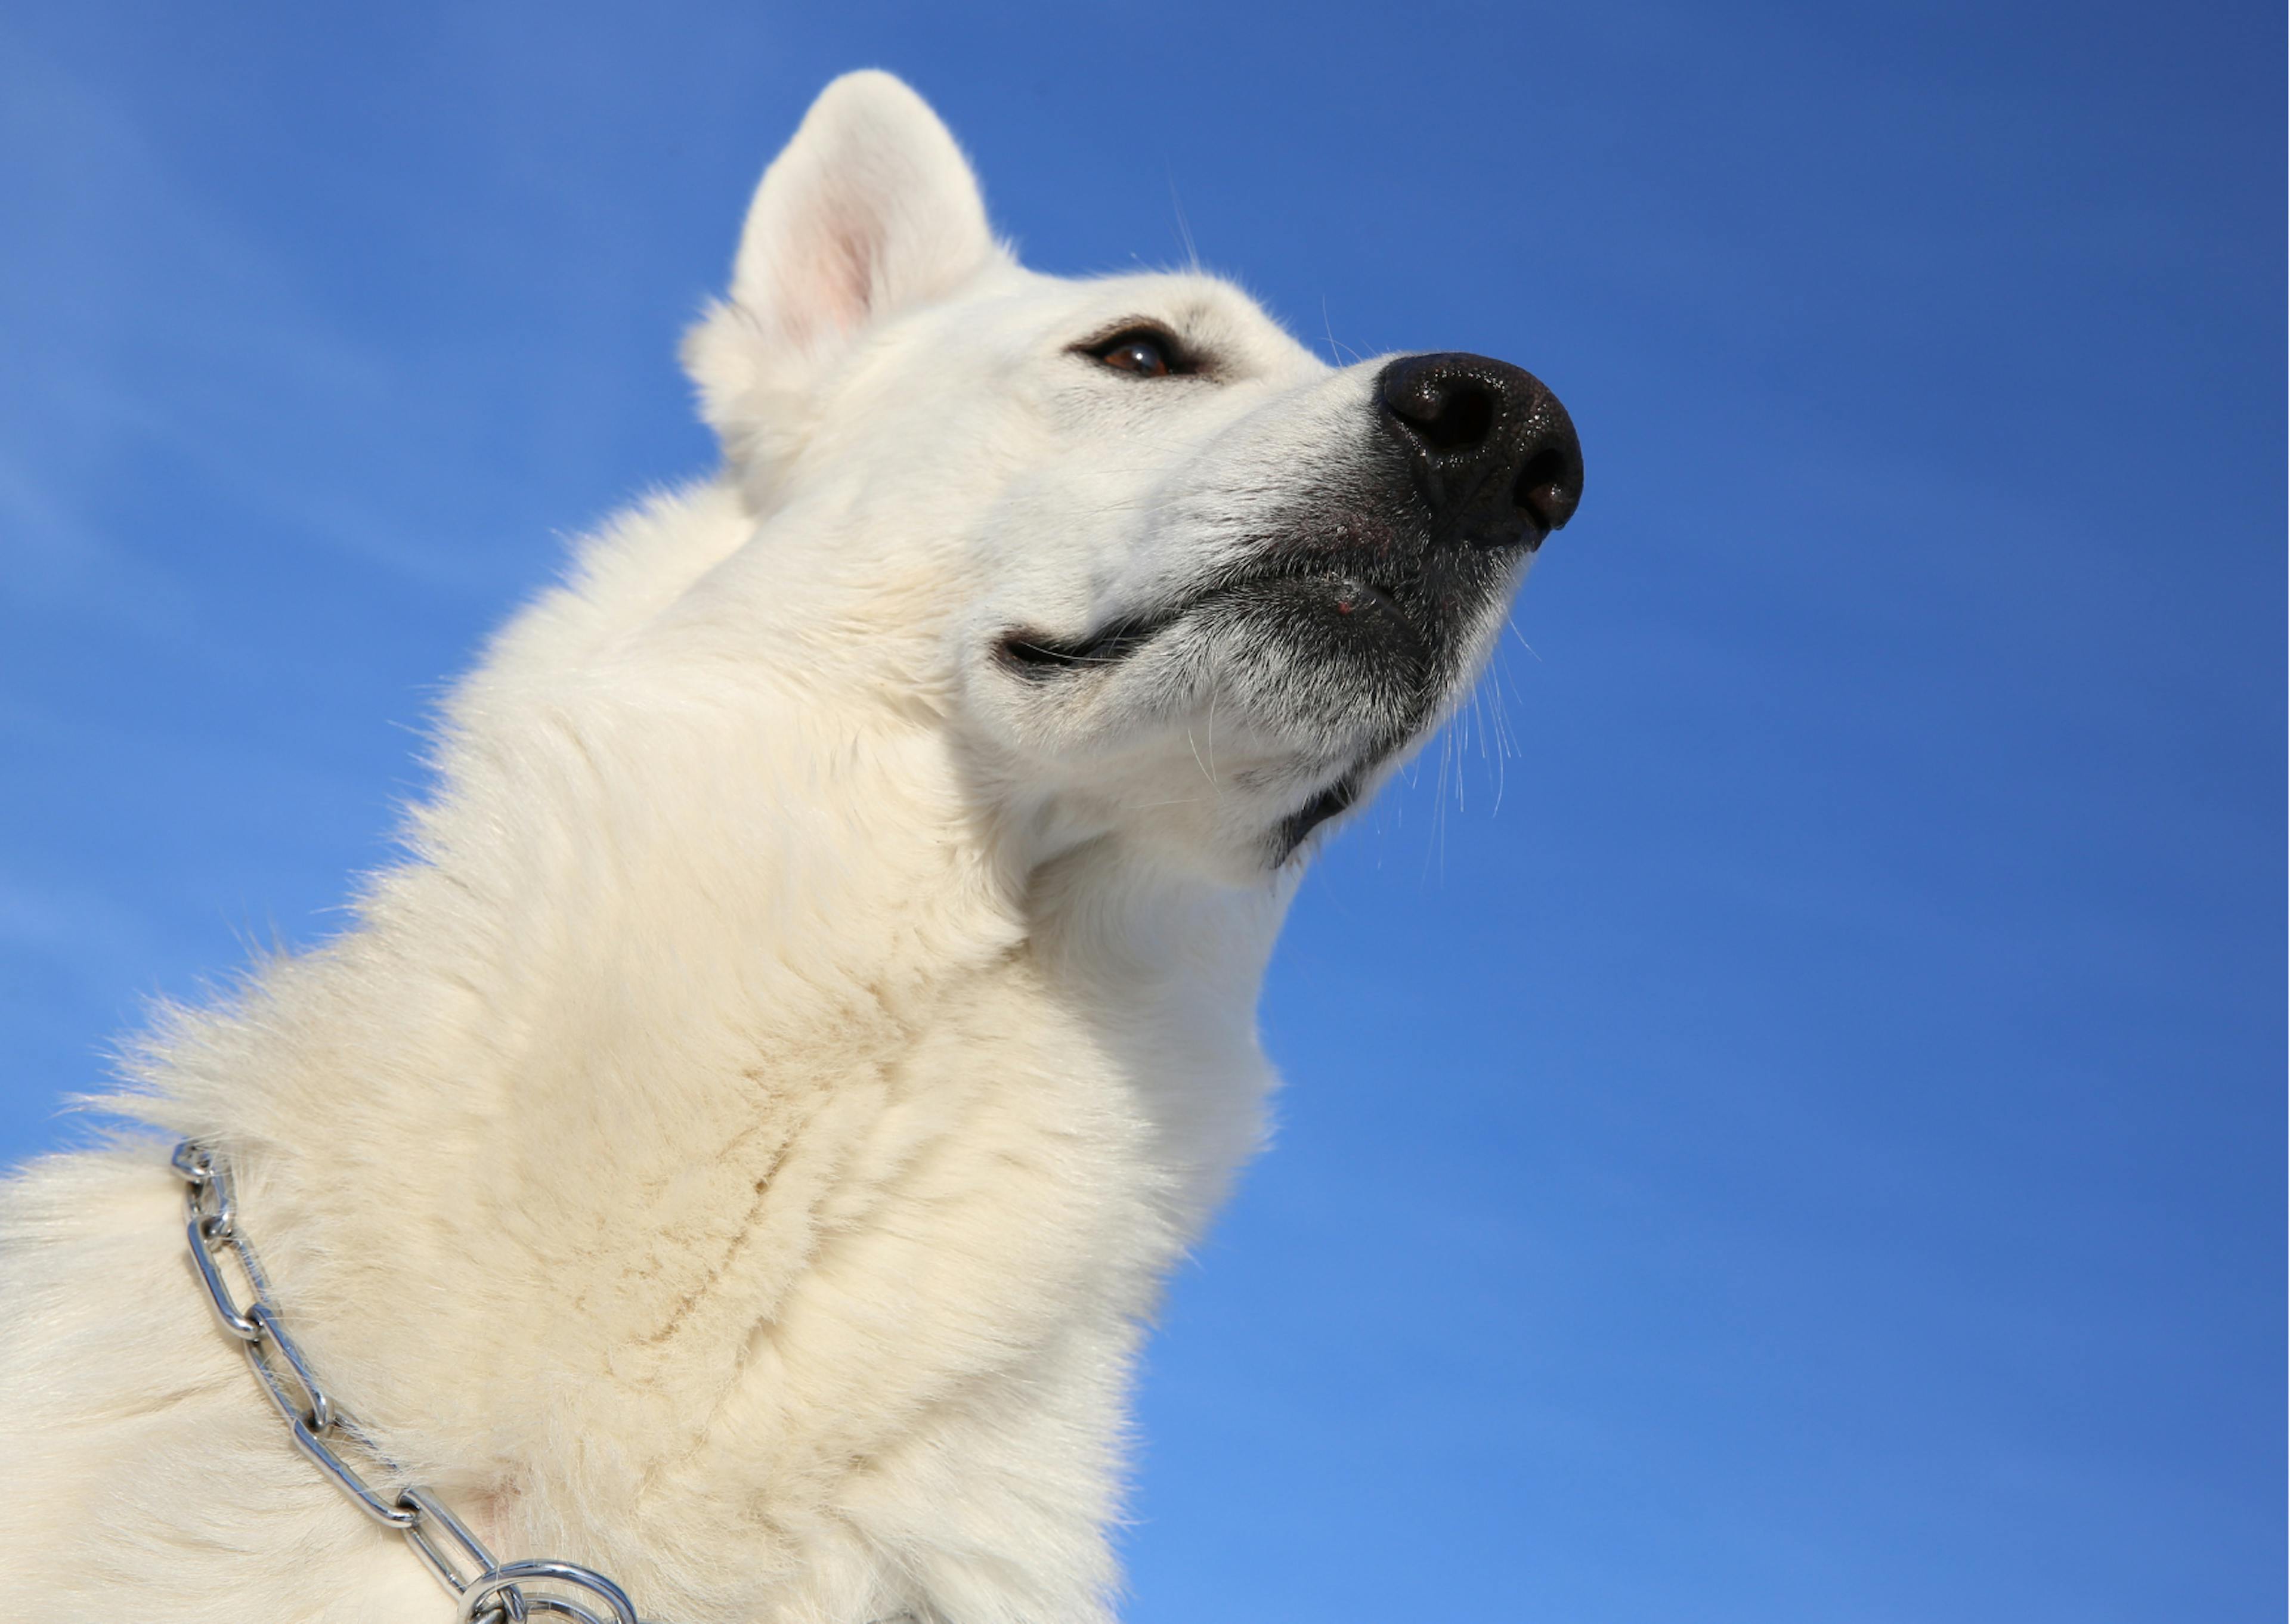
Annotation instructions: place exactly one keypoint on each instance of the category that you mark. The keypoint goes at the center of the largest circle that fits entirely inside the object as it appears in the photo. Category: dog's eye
(1142, 351)
(1141, 356)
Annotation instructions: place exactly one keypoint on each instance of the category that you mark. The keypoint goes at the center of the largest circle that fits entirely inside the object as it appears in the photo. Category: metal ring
(510, 1574)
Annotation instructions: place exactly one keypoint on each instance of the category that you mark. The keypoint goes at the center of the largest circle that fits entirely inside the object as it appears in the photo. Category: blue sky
(1797, 1139)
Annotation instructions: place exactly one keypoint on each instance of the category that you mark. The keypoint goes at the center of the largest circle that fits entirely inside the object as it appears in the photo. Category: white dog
(737, 1148)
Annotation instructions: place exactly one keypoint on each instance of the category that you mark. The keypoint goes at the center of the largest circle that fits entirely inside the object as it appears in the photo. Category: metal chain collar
(493, 1592)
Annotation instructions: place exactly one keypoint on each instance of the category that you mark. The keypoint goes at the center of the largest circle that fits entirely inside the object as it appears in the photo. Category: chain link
(486, 1589)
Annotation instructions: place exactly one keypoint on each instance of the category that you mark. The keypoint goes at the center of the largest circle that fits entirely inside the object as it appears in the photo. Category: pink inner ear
(826, 290)
(871, 206)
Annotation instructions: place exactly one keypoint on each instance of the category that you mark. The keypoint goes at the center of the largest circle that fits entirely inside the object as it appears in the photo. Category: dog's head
(1164, 573)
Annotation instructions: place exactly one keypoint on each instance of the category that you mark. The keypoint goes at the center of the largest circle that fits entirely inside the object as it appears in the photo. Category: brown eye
(1149, 355)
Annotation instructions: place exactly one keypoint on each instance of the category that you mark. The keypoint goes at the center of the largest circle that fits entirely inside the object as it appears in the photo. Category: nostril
(1547, 487)
(1461, 414)
(1488, 447)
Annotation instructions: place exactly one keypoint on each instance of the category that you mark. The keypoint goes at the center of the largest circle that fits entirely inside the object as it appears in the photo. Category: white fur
(737, 1147)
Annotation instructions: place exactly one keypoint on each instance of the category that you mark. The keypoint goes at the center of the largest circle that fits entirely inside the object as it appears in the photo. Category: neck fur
(813, 1135)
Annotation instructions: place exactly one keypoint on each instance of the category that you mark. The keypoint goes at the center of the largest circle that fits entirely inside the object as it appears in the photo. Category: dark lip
(1337, 797)
(1039, 655)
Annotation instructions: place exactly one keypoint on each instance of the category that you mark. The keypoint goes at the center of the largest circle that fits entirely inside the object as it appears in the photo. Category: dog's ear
(871, 209)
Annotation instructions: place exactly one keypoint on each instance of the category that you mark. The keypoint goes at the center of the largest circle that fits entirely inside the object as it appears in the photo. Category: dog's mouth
(1043, 656)
(1363, 603)
(1333, 659)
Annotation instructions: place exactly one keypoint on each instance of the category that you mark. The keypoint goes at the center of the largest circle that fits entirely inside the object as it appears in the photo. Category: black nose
(1492, 449)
